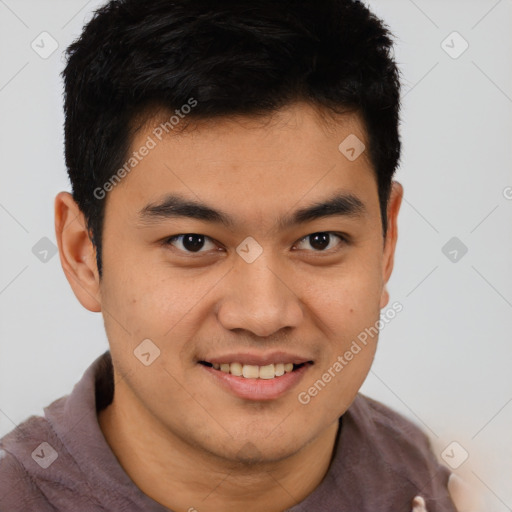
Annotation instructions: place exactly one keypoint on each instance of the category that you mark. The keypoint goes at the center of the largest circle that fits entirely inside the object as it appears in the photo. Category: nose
(259, 297)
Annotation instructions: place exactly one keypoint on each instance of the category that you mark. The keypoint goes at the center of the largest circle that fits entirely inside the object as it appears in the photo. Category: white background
(444, 361)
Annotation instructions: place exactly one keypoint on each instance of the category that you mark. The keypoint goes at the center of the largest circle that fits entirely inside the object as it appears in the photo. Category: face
(252, 276)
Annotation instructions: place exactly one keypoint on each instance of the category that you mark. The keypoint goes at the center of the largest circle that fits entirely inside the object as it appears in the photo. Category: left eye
(322, 241)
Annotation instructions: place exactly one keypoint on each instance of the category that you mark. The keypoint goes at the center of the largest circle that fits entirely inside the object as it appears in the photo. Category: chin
(253, 452)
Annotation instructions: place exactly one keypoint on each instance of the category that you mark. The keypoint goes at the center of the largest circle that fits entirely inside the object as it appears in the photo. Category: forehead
(251, 165)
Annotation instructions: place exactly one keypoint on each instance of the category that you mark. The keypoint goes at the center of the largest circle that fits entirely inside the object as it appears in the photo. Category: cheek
(143, 299)
(159, 305)
(347, 295)
(348, 305)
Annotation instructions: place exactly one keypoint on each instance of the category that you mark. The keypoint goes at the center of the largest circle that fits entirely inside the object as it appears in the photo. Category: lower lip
(258, 389)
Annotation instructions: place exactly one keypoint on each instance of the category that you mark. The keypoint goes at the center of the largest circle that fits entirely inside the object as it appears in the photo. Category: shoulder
(37, 468)
(46, 461)
(388, 421)
(19, 489)
(399, 446)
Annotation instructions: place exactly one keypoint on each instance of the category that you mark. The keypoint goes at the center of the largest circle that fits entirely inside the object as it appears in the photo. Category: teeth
(250, 371)
(267, 372)
(236, 369)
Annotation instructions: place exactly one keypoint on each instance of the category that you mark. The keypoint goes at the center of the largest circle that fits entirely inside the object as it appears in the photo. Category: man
(234, 218)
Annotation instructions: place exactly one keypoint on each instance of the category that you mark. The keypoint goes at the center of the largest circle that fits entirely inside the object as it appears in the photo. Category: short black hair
(231, 57)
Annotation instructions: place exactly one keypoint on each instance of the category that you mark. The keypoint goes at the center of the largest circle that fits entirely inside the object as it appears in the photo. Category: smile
(249, 371)
(268, 381)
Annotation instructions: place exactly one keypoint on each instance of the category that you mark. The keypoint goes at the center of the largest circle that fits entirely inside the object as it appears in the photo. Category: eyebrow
(177, 206)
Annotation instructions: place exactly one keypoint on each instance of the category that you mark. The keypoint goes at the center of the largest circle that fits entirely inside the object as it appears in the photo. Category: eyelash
(344, 241)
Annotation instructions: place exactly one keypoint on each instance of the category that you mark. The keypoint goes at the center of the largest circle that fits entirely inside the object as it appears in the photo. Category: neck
(185, 478)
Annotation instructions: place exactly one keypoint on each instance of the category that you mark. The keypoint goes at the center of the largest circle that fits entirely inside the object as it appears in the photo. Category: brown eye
(190, 242)
(322, 241)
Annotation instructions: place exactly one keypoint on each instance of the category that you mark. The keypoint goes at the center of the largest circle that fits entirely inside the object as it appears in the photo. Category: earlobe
(384, 298)
(77, 252)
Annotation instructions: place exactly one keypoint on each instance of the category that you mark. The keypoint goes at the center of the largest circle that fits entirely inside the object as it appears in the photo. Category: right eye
(189, 242)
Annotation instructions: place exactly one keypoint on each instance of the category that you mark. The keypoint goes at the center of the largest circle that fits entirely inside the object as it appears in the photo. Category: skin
(185, 441)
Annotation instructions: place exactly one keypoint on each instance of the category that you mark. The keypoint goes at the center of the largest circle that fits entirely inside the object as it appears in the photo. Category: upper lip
(257, 359)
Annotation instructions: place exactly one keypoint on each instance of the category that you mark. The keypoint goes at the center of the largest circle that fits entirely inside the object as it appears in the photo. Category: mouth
(251, 371)
(271, 379)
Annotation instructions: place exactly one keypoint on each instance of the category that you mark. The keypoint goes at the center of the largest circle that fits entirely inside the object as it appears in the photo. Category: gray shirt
(62, 462)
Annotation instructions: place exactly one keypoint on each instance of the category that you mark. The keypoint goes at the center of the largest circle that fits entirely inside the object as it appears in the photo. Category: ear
(77, 252)
(395, 200)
